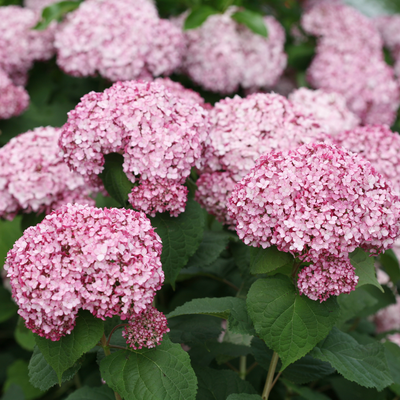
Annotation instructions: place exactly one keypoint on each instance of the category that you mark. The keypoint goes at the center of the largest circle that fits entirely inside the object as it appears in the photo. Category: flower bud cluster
(223, 54)
(34, 176)
(329, 109)
(119, 39)
(14, 100)
(20, 45)
(241, 131)
(106, 261)
(160, 136)
(380, 146)
(350, 61)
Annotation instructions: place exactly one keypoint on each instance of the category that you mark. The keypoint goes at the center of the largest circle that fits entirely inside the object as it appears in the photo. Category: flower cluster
(13, 99)
(388, 319)
(222, 54)
(380, 146)
(146, 329)
(350, 61)
(329, 109)
(241, 131)
(319, 199)
(20, 45)
(119, 39)
(327, 276)
(38, 5)
(34, 176)
(106, 261)
(160, 136)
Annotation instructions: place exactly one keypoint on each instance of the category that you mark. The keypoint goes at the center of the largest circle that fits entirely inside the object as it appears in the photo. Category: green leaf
(24, 336)
(63, 354)
(210, 248)
(253, 20)
(219, 384)
(162, 373)
(374, 8)
(243, 396)
(114, 178)
(14, 392)
(92, 393)
(305, 392)
(347, 390)
(55, 12)
(391, 264)
(392, 352)
(365, 268)
(289, 324)
(266, 260)
(7, 306)
(181, 236)
(198, 16)
(43, 376)
(231, 308)
(10, 231)
(365, 365)
(17, 373)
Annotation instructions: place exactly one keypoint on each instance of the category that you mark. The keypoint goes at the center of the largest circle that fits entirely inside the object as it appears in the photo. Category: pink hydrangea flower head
(106, 261)
(365, 80)
(222, 54)
(241, 131)
(329, 109)
(146, 329)
(38, 5)
(20, 45)
(388, 319)
(34, 176)
(315, 200)
(14, 100)
(342, 23)
(389, 28)
(379, 145)
(119, 39)
(160, 135)
(327, 276)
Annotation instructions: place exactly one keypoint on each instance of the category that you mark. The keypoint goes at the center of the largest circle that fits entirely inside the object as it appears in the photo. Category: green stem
(270, 376)
(107, 352)
(242, 367)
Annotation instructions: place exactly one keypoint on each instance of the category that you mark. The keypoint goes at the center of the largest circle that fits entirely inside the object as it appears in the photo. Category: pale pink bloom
(20, 45)
(118, 39)
(106, 261)
(222, 54)
(388, 319)
(377, 144)
(241, 131)
(389, 28)
(316, 200)
(38, 5)
(327, 276)
(146, 329)
(160, 135)
(34, 176)
(14, 100)
(328, 108)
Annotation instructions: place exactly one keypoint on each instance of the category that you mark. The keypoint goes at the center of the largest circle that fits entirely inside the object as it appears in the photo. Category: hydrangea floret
(119, 39)
(222, 54)
(243, 129)
(106, 261)
(160, 136)
(13, 99)
(34, 176)
(329, 109)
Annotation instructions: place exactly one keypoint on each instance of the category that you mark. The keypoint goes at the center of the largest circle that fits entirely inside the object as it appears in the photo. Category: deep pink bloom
(14, 100)
(146, 329)
(20, 45)
(35, 178)
(380, 146)
(329, 109)
(222, 54)
(160, 136)
(316, 200)
(106, 261)
(119, 39)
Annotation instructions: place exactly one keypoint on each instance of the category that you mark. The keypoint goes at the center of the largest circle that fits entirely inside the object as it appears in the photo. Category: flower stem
(107, 352)
(242, 367)
(270, 376)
